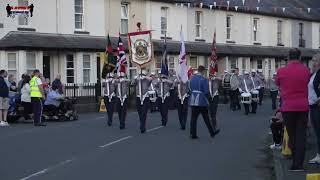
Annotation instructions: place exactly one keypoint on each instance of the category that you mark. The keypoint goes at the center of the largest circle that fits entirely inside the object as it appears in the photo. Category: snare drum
(246, 98)
(152, 96)
(255, 95)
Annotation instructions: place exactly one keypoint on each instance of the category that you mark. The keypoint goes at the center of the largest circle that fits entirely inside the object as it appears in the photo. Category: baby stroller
(65, 112)
(15, 111)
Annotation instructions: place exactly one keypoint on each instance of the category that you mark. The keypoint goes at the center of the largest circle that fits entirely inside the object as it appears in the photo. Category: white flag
(183, 60)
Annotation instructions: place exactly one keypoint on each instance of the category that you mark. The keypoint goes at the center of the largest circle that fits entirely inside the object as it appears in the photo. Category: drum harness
(210, 89)
(108, 90)
(179, 93)
(122, 98)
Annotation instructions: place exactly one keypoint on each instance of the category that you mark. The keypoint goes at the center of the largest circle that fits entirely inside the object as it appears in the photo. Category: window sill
(282, 45)
(230, 42)
(81, 32)
(257, 43)
(26, 29)
(200, 40)
(169, 38)
(1, 25)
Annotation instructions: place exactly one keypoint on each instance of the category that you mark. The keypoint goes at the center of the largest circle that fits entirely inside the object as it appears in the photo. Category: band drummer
(246, 86)
(182, 104)
(109, 96)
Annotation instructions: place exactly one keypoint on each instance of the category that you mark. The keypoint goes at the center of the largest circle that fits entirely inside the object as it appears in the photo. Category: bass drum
(255, 95)
(246, 98)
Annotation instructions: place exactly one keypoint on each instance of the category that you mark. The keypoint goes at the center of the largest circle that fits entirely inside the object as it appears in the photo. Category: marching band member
(256, 82)
(246, 86)
(262, 85)
(122, 92)
(274, 90)
(226, 85)
(109, 96)
(163, 87)
(199, 87)
(234, 90)
(142, 83)
(214, 83)
(152, 93)
(182, 102)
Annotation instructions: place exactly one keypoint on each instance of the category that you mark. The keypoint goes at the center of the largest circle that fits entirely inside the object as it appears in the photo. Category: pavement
(282, 164)
(88, 149)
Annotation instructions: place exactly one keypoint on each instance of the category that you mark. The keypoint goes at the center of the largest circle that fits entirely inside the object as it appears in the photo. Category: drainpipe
(57, 16)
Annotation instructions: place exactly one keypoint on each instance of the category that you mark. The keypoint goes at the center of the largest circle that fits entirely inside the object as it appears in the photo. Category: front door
(46, 66)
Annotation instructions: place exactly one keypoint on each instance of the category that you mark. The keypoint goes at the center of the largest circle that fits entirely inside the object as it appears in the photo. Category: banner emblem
(140, 46)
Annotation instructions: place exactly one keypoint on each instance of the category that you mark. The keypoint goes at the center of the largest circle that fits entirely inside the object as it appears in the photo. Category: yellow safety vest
(34, 88)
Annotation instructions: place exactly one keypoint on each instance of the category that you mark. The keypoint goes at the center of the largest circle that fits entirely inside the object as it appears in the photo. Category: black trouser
(213, 107)
(163, 107)
(253, 106)
(37, 107)
(225, 95)
(142, 111)
(110, 105)
(183, 112)
(274, 95)
(27, 109)
(296, 124)
(153, 107)
(122, 111)
(261, 95)
(277, 132)
(195, 111)
(234, 97)
(315, 120)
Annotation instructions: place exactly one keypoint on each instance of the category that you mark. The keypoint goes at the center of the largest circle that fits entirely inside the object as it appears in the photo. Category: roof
(296, 9)
(64, 42)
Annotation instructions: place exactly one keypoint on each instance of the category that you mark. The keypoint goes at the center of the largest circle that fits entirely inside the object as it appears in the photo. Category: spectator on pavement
(274, 90)
(277, 130)
(13, 84)
(53, 100)
(314, 102)
(57, 83)
(293, 83)
(20, 83)
(37, 96)
(25, 97)
(4, 98)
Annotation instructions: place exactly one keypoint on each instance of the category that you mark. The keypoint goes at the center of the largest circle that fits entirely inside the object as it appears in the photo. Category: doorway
(46, 67)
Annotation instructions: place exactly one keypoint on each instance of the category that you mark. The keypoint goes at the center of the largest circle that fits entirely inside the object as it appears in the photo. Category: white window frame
(197, 61)
(279, 32)
(15, 62)
(229, 28)
(22, 17)
(86, 68)
(232, 60)
(166, 9)
(255, 28)
(31, 69)
(198, 25)
(123, 18)
(78, 13)
(73, 69)
(171, 64)
(258, 60)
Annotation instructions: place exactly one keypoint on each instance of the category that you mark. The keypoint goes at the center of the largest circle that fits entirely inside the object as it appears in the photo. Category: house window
(171, 63)
(31, 62)
(78, 6)
(193, 62)
(124, 18)
(22, 20)
(244, 65)
(198, 20)
(279, 32)
(86, 68)
(301, 40)
(259, 64)
(255, 29)
(164, 20)
(70, 68)
(12, 63)
(233, 62)
(229, 21)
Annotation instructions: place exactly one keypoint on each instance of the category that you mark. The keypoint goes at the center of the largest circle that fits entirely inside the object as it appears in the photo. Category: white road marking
(114, 142)
(102, 117)
(153, 129)
(47, 169)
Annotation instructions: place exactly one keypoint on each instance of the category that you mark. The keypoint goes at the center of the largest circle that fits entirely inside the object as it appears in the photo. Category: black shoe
(296, 169)
(109, 124)
(183, 128)
(194, 137)
(217, 131)
(122, 127)
(164, 124)
(143, 131)
(253, 112)
(40, 124)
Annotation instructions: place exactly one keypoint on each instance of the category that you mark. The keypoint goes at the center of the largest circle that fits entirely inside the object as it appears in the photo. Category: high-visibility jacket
(34, 88)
